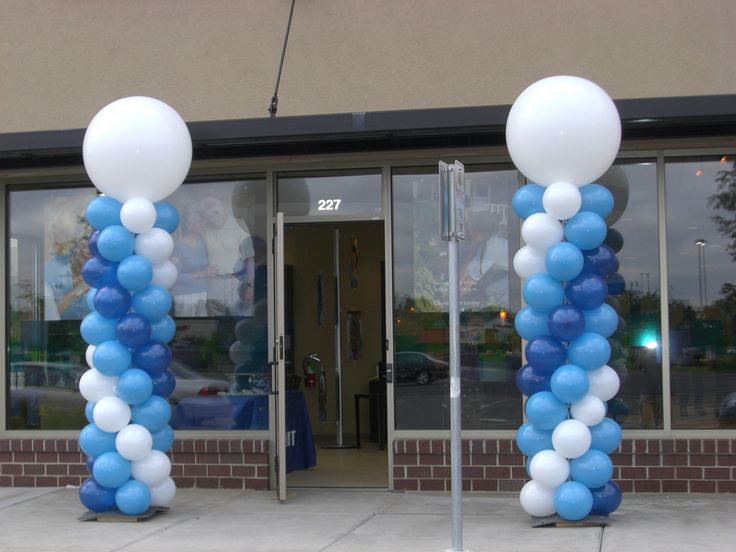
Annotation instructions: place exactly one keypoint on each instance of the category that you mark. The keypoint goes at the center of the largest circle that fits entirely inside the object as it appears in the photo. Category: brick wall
(640, 465)
(201, 463)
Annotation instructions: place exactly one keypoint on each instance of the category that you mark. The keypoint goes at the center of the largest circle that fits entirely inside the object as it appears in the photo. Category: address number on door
(328, 204)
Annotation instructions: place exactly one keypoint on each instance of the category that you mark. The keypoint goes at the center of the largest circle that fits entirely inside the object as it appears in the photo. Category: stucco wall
(60, 61)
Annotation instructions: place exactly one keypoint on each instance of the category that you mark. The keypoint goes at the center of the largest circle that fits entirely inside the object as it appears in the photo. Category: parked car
(189, 382)
(727, 411)
(419, 367)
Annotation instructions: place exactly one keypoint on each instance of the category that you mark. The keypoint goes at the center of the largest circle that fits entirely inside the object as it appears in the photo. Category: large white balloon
(111, 414)
(137, 147)
(603, 383)
(134, 442)
(549, 468)
(563, 128)
(164, 274)
(590, 410)
(571, 438)
(562, 200)
(93, 385)
(528, 261)
(163, 493)
(156, 245)
(88, 355)
(153, 469)
(138, 215)
(537, 500)
(541, 231)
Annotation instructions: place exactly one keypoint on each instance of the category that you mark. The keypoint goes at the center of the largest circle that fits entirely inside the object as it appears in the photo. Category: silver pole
(456, 458)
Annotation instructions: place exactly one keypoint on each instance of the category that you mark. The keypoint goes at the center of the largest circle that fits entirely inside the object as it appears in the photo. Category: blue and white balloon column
(563, 133)
(137, 151)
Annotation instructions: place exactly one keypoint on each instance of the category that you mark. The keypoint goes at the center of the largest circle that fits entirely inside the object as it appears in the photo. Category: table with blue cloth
(251, 412)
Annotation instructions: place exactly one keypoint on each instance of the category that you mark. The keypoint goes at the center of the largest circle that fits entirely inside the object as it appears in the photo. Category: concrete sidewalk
(41, 520)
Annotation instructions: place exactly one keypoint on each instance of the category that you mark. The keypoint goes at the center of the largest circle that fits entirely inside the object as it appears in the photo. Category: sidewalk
(41, 520)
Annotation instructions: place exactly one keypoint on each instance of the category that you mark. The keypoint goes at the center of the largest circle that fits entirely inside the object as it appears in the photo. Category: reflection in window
(490, 349)
(702, 303)
(330, 193)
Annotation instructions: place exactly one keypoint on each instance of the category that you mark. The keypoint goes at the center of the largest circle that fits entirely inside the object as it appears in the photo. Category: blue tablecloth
(251, 412)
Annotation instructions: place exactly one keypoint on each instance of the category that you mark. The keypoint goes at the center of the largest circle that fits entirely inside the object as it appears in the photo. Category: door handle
(273, 378)
(389, 372)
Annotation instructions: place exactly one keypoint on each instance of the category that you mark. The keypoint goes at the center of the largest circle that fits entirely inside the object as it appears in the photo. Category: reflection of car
(419, 367)
(727, 411)
(190, 382)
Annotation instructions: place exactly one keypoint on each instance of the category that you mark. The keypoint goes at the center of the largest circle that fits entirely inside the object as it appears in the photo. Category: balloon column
(137, 151)
(563, 133)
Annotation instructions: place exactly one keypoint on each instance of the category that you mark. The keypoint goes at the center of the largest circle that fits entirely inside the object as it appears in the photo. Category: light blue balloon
(531, 323)
(602, 320)
(88, 411)
(163, 439)
(167, 217)
(153, 302)
(544, 410)
(564, 261)
(94, 442)
(527, 200)
(597, 199)
(103, 211)
(573, 501)
(586, 230)
(90, 298)
(163, 330)
(111, 470)
(111, 358)
(569, 383)
(133, 498)
(153, 414)
(96, 329)
(135, 273)
(606, 436)
(134, 386)
(543, 292)
(531, 440)
(115, 243)
(590, 351)
(593, 469)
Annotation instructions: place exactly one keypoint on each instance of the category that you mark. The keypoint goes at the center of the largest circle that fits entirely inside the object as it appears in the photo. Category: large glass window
(701, 249)
(489, 296)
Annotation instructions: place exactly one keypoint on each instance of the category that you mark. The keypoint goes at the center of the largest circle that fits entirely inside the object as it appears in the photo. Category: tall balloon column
(563, 133)
(137, 151)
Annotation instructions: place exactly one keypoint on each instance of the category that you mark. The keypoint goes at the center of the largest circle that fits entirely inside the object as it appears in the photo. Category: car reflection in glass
(419, 368)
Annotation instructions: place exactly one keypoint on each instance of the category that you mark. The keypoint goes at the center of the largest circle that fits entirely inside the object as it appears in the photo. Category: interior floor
(366, 467)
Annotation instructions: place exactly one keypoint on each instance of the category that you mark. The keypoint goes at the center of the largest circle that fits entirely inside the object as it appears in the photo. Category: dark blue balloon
(133, 330)
(530, 381)
(601, 261)
(103, 211)
(587, 291)
(92, 242)
(164, 384)
(153, 357)
(545, 353)
(527, 200)
(167, 217)
(163, 439)
(112, 301)
(566, 322)
(95, 497)
(606, 499)
(616, 284)
(614, 240)
(98, 272)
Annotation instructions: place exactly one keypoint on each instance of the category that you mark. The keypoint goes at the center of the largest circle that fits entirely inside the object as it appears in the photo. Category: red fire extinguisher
(310, 365)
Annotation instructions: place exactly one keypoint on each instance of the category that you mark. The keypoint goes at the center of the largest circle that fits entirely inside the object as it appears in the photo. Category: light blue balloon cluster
(128, 382)
(567, 323)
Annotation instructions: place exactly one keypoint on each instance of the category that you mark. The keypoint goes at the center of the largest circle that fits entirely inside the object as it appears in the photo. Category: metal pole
(456, 458)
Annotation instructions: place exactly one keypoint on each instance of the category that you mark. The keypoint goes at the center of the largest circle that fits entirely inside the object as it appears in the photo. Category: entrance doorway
(334, 348)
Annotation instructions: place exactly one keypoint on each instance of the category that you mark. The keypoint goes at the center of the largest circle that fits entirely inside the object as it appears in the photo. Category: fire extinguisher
(310, 365)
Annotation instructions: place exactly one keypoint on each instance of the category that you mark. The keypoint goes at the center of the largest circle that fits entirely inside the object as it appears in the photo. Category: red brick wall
(201, 463)
(640, 465)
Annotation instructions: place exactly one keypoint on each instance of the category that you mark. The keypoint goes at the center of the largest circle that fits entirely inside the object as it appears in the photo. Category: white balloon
(549, 468)
(111, 414)
(163, 493)
(563, 128)
(93, 385)
(156, 245)
(153, 469)
(138, 215)
(137, 147)
(571, 438)
(164, 274)
(134, 442)
(590, 410)
(88, 355)
(541, 231)
(603, 383)
(239, 352)
(528, 261)
(537, 500)
(562, 200)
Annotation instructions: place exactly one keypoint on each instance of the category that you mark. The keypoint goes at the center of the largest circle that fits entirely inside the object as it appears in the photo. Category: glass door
(278, 374)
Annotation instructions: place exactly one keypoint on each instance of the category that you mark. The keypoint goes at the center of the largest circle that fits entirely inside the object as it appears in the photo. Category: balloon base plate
(557, 521)
(118, 516)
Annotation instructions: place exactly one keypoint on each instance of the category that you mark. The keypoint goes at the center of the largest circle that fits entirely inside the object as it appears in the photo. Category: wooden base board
(118, 516)
(557, 521)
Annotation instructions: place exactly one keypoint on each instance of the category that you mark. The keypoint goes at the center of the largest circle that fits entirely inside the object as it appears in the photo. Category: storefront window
(702, 291)
(489, 297)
